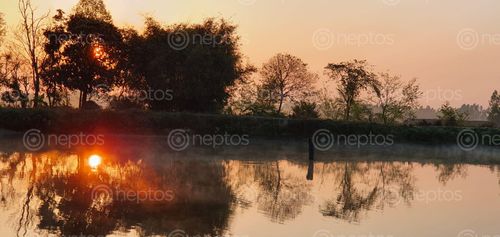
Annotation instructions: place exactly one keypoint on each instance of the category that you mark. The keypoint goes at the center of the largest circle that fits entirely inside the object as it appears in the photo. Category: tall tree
(197, 62)
(86, 50)
(397, 100)
(288, 77)
(30, 38)
(494, 109)
(354, 77)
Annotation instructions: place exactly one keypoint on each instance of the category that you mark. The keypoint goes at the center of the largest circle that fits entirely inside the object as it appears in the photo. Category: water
(270, 189)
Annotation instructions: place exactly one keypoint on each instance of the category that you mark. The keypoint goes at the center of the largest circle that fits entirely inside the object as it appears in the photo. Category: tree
(354, 77)
(288, 77)
(475, 112)
(93, 9)
(494, 109)
(451, 116)
(84, 50)
(396, 100)
(3, 30)
(52, 75)
(14, 81)
(30, 39)
(198, 62)
(250, 98)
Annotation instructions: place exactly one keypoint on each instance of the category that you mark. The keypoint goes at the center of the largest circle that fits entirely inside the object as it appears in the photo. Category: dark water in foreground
(142, 191)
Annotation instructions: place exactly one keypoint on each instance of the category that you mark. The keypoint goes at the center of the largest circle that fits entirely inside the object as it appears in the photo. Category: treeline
(81, 58)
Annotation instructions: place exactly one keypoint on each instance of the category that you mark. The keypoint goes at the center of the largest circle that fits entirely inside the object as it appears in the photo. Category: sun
(98, 52)
(94, 161)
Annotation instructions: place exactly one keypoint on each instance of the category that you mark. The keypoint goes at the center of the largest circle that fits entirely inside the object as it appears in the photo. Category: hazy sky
(451, 46)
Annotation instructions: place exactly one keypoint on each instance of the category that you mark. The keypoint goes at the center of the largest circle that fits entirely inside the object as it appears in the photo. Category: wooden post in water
(310, 169)
(311, 149)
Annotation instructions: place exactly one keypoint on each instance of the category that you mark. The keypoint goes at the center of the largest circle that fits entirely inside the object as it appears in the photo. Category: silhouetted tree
(475, 112)
(354, 77)
(396, 100)
(198, 62)
(253, 99)
(52, 75)
(93, 9)
(494, 109)
(287, 77)
(450, 116)
(84, 49)
(13, 80)
(30, 39)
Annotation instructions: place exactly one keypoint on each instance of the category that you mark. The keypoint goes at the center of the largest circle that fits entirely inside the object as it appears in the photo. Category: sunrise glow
(94, 161)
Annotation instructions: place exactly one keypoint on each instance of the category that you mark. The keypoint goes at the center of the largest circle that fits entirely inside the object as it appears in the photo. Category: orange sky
(451, 46)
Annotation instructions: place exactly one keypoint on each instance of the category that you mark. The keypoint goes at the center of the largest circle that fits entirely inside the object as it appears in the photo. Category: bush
(305, 110)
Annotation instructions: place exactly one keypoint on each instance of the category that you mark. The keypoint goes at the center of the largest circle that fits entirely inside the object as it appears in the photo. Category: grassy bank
(67, 121)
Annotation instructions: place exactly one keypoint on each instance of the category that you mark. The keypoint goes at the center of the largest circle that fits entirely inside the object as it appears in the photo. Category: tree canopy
(353, 77)
(198, 62)
(93, 9)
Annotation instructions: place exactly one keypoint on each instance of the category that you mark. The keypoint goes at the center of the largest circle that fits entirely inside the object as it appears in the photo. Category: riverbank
(69, 121)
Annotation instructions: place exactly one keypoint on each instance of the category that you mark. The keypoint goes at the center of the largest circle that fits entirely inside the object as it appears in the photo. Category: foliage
(476, 112)
(450, 116)
(354, 77)
(3, 29)
(305, 110)
(198, 62)
(141, 122)
(287, 78)
(13, 81)
(93, 9)
(396, 100)
(494, 109)
(362, 112)
(84, 52)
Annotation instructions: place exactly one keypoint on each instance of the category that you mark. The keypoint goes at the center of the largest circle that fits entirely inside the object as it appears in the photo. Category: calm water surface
(141, 190)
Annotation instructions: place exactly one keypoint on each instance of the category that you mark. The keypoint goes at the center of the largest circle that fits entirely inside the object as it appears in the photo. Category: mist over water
(145, 189)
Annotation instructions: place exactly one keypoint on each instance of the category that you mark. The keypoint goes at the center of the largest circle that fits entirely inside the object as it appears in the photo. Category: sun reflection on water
(94, 161)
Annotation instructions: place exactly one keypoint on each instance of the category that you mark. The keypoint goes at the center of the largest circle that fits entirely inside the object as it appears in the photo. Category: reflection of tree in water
(281, 196)
(496, 168)
(364, 186)
(69, 207)
(277, 191)
(57, 192)
(447, 172)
